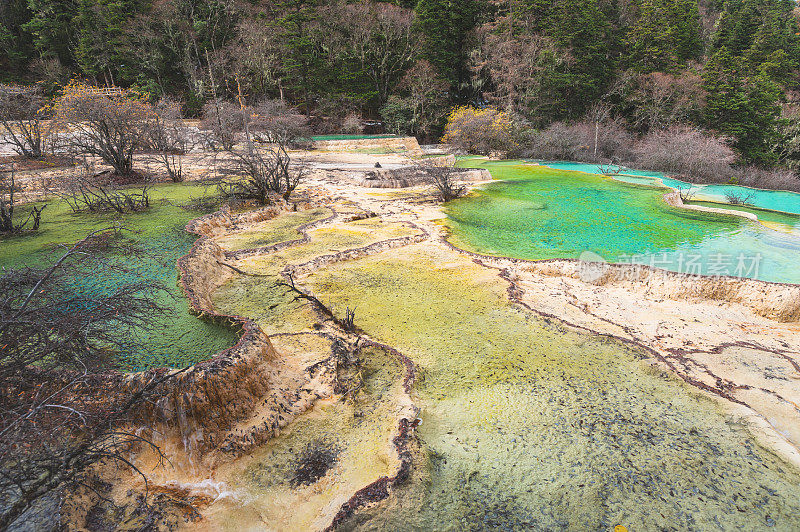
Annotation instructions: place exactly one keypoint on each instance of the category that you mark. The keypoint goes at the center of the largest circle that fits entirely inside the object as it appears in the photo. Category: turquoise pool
(539, 212)
(776, 200)
(352, 137)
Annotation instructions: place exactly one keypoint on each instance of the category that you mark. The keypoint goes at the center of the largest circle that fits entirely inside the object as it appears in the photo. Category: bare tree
(661, 101)
(8, 189)
(61, 409)
(519, 67)
(223, 120)
(559, 141)
(770, 178)
(106, 125)
(275, 122)
(610, 169)
(380, 37)
(582, 141)
(739, 198)
(687, 152)
(686, 192)
(22, 118)
(258, 57)
(166, 136)
(259, 173)
(421, 106)
(443, 176)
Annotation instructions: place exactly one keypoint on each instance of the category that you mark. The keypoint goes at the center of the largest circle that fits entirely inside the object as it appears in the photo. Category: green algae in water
(526, 425)
(274, 307)
(177, 340)
(542, 213)
(279, 229)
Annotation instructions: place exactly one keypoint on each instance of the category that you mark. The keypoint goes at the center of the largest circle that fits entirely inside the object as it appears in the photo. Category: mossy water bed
(300, 479)
(537, 212)
(526, 425)
(279, 229)
(274, 306)
(178, 339)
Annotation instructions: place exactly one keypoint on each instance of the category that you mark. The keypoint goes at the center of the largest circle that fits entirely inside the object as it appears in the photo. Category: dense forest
(726, 67)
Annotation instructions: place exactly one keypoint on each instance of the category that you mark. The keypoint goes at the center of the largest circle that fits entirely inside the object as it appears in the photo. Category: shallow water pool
(527, 426)
(178, 338)
(775, 200)
(537, 212)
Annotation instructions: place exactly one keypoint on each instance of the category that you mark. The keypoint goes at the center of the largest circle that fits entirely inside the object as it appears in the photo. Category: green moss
(529, 426)
(279, 229)
(178, 339)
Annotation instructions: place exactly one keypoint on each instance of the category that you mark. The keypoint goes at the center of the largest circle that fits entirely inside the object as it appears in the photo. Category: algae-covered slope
(527, 425)
(179, 339)
(543, 213)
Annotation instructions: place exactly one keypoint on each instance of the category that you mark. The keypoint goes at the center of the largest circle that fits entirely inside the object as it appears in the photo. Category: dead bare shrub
(8, 223)
(736, 198)
(614, 142)
(686, 192)
(259, 173)
(224, 120)
(660, 100)
(270, 121)
(273, 121)
(443, 176)
(687, 153)
(559, 141)
(768, 178)
(581, 141)
(166, 138)
(85, 192)
(352, 124)
(108, 126)
(22, 119)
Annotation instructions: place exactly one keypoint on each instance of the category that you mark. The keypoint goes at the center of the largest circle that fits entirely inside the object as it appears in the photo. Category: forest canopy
(727, 67)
